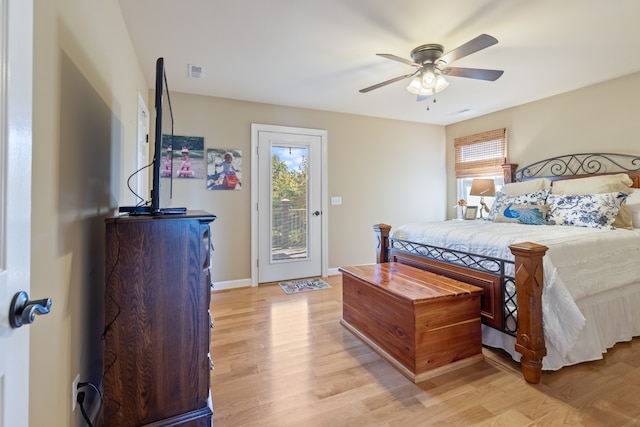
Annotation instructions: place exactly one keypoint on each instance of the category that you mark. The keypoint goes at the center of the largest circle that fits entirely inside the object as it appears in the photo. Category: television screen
(162, 165)
(162, 161)
(161, 192)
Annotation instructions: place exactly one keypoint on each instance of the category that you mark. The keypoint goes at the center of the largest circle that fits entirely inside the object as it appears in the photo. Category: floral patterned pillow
(589, 210)
(535, 198)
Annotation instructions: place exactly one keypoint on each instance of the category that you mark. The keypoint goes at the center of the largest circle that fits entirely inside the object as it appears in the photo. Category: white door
(290, 208)
(16, 40)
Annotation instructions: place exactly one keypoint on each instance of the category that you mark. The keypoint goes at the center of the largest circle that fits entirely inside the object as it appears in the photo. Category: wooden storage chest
(422, 323)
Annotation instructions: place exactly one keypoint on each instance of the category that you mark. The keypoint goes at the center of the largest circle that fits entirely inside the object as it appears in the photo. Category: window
(464, 186)
(479, 155)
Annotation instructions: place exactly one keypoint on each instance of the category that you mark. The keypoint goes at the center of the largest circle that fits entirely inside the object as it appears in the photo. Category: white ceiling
(319, 53)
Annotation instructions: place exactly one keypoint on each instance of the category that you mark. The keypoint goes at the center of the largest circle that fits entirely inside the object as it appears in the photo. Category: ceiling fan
(431, 67)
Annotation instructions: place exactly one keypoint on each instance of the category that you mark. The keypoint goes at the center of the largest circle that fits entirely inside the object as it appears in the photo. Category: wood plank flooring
(285, 360)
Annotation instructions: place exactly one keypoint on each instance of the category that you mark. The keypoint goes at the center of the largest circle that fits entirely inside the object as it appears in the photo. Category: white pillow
(524, 187)
(592, 184)
(588, 210)
(535, 198)
(633, 204)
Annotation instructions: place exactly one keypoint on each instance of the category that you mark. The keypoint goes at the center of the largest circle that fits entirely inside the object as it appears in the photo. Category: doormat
(304, 285)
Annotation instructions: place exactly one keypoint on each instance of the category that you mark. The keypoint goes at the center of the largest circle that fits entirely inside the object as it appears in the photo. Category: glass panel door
(289, 203)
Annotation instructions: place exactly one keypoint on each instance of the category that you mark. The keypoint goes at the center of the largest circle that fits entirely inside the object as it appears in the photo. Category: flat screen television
(160, 187)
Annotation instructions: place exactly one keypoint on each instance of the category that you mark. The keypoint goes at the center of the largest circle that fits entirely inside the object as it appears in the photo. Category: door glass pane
(289, 203)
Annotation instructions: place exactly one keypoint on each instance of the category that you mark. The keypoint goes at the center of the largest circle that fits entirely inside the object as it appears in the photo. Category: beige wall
(385, 171)
(86, 82)
(601, 118)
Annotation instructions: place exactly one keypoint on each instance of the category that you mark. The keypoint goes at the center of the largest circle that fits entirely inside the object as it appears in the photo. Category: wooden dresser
(156, 363)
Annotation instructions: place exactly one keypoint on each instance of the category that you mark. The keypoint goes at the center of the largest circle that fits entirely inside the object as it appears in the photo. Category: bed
(555, 294)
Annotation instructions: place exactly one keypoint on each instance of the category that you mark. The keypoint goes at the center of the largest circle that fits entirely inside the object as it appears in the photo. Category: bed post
(529, 283)
(382, 251)
(509, 172)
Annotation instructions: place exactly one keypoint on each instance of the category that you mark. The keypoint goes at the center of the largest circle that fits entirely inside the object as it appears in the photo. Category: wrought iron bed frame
(486, 264)
(519, 294)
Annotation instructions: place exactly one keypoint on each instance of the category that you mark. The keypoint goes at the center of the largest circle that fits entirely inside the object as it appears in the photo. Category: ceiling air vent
(196, 71)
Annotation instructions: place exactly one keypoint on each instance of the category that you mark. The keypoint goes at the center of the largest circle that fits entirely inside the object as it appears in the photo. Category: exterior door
(16, 41)
(290, 204)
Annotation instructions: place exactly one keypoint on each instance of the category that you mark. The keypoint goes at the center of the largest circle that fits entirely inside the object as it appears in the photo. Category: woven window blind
(481, 154)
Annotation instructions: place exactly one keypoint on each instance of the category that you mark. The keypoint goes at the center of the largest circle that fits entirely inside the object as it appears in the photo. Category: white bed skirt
(611, 317)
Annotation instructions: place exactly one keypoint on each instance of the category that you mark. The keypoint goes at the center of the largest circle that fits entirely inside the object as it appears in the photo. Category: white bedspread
(580, 262)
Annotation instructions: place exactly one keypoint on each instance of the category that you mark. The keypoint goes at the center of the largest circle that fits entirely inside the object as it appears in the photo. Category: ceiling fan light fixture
(428, 79)
(435, 83)
(416, 85)
(441, 83)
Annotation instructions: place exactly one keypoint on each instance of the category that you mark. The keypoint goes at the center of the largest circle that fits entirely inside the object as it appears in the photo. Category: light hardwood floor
(285, 360)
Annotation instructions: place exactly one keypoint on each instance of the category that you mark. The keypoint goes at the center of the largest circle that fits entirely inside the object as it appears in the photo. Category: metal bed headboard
(579, 164)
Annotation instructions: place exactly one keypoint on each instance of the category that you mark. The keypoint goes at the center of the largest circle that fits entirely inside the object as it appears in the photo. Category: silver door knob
(22, 311)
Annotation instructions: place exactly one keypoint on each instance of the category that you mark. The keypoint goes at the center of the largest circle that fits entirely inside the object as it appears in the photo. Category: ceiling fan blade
(481, 42)
(388, 82)
(397, 58)
(473, 73)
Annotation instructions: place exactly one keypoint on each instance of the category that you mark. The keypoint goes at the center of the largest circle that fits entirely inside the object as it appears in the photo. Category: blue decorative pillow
(535, 198)
(590, 210)
(523, 214)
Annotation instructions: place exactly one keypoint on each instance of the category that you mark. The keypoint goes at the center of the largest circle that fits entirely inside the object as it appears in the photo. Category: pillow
(624, 219)
(597, 185)
(524, 187)
(593, 184)
(589, 210)
(502, 199)
(523, 214)
(633, 204)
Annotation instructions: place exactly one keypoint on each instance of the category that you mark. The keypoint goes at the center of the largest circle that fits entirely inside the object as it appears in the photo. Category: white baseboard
(333, 271)
(231, 284)
(244, 283)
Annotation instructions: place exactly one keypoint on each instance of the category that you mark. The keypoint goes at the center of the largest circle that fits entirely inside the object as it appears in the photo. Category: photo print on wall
(224, 169)
(183, 156)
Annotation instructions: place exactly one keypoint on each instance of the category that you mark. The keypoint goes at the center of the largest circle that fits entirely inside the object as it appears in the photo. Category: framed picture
(471, 212)
(224, 169)
(183, 156)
